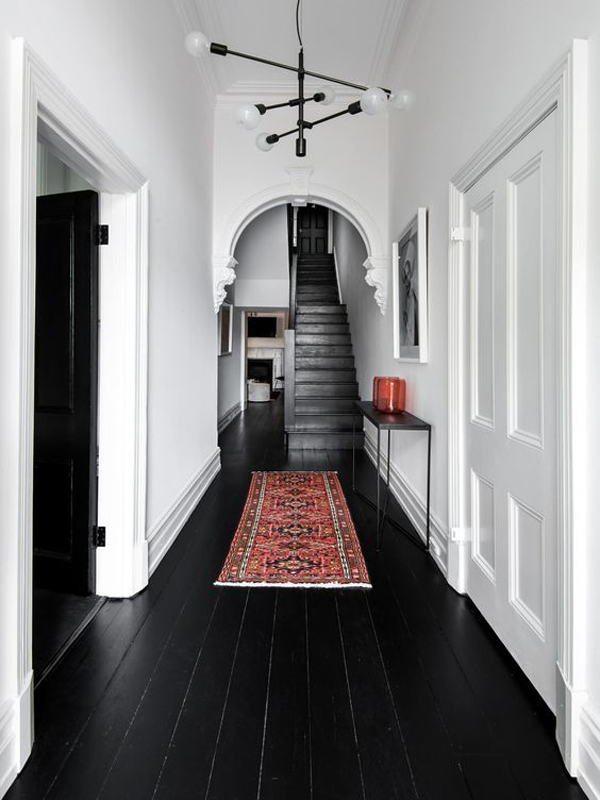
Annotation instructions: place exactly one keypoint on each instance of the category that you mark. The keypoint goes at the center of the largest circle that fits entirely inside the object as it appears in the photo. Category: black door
(66, 349)
(312, 230)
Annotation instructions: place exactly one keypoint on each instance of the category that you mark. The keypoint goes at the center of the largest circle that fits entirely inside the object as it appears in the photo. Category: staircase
(325, 386)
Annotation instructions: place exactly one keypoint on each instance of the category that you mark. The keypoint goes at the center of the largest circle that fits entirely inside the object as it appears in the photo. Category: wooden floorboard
(194, 691)
(286, 769)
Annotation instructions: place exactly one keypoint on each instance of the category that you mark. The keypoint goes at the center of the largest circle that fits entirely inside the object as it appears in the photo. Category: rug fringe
(255, 584)
(284, 471)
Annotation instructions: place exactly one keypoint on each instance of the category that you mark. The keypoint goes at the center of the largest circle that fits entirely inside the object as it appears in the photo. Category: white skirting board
(164, 532)
(589, 754)
(228, 417)
(413, 505)
(8, 760)
(16, 734)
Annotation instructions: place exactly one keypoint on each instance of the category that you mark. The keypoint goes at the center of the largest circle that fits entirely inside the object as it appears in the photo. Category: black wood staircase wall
(324, 382)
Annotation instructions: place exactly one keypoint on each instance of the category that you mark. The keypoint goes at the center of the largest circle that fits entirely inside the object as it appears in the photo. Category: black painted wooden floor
(192, 691)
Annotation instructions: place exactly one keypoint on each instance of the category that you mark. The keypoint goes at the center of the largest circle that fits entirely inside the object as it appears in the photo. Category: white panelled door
(511, 413)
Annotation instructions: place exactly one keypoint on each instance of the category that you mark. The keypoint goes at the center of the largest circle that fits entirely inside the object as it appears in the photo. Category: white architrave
(300, 188)
(42, 106)
(564, 91)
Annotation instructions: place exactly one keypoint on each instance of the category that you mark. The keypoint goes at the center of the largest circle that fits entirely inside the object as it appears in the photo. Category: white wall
(125, 63)
(263, 261)
(363, 315)
(229, 366)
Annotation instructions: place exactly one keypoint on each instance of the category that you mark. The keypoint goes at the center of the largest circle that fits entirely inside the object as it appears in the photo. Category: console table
(389, 423)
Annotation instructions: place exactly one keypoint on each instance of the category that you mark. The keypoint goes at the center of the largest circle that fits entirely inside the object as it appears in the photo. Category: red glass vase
(389, 395)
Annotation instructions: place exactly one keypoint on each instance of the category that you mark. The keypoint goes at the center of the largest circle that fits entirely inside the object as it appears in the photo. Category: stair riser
(325, 375)
(327, 390)
(323, 441)
(314, 294)
(330, 422)
(325, 405)
(312, 327)
(317, 272)
(332, 362)
(315, 284)
(318, 301)
(308, 350)
(323, 270)
(338, 308)
(322, 338)
(320, 319)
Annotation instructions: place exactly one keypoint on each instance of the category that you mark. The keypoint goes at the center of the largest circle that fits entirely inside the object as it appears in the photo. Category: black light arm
(223, 50)
(353, 108)
(317, 97)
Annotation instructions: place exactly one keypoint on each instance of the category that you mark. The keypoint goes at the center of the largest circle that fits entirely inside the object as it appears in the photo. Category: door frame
(43, 107)
(564, 92)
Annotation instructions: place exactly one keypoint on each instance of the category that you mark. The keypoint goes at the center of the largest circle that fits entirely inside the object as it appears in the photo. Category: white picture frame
(409, 280)
(225, 329)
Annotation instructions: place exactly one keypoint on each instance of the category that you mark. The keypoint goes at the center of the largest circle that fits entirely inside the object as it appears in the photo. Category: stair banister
(289, 352)
(293, 283)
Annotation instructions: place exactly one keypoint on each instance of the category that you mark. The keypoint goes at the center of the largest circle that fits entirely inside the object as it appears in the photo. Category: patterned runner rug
(295, 531)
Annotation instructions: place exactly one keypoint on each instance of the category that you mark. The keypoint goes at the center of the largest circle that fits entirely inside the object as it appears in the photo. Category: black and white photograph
(225, 329)
(410, 291)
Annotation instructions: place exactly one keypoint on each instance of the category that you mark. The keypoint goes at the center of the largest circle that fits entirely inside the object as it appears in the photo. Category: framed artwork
(225, 329)
(409, 275)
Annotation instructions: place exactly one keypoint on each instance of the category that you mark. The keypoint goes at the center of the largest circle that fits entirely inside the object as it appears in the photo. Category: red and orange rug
(295, 531)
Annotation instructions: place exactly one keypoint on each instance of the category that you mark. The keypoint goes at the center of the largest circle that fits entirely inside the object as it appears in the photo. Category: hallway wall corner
(166, 529)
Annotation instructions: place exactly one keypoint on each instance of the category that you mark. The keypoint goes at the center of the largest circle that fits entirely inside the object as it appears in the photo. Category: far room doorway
(313, 230)
(65, 415)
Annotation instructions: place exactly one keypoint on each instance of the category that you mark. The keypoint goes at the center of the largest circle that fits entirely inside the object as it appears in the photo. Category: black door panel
(66, 344)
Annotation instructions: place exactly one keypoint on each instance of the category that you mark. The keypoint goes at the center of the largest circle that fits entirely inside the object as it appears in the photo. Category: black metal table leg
(378, 479)
(381, 421)
(386, 495)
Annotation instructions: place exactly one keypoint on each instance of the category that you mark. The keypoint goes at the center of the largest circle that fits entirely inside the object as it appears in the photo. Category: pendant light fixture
(373, 100)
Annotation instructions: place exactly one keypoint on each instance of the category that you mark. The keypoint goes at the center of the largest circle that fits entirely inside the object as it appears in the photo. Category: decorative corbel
(377, 277)
(223, 276)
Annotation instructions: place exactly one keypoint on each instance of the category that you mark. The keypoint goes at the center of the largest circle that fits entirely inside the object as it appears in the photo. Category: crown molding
(407, 32)
(393, 18)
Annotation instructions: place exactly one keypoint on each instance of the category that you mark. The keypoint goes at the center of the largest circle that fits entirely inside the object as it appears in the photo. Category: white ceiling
(349, 39)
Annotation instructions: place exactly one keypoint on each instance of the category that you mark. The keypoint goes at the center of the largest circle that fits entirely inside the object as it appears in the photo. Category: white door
(511, 413)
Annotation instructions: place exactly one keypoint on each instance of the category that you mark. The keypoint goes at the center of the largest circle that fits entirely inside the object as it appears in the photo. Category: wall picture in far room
(409, 275)
(225, 329)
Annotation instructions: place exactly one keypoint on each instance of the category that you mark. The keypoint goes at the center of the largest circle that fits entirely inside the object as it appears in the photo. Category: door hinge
(99, 536)
(460, 535)
(101, 234)
(460, 234)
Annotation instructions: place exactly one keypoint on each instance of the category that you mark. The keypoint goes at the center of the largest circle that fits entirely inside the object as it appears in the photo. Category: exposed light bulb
(262, 144)
(373, 101)
(248, 116)
(197, 44)
(402, 99)
(329, 93)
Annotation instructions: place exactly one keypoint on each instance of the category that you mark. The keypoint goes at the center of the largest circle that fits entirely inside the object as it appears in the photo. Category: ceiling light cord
(298, 24)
